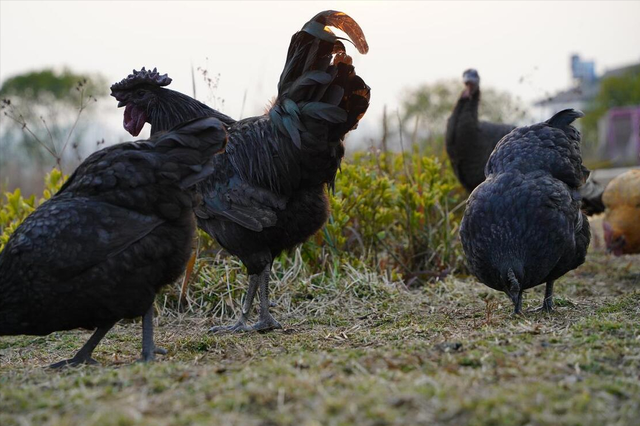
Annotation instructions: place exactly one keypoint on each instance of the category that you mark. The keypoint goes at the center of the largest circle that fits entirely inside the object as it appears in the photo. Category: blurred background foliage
(426, 108)
(44, 86)
(45, 122)
(435, 101)
(615, 91)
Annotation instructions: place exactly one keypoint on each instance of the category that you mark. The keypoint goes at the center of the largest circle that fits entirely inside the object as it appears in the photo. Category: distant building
(619, 136)
(583, 71)
(619, 129)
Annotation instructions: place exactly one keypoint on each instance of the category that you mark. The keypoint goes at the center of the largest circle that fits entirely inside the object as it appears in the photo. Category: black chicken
(469, 142)
(523, 225)
(267, 193)
(117, 231)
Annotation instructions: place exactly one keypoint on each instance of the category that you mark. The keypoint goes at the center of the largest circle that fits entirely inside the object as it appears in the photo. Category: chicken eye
(140, 93)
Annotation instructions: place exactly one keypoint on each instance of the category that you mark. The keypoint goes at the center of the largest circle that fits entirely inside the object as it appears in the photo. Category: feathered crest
(142, 77)
(564, 118)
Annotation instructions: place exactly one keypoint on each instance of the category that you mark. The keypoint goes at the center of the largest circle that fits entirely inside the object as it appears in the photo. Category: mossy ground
(368, 352)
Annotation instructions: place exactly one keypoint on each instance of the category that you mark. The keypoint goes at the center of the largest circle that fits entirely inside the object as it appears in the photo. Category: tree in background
(425, 111)
(40, 118)
(615, 91)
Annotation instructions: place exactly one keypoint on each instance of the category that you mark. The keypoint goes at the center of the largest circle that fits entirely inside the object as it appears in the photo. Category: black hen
(469, 142)
(268, 191)
(523, 225)
(117, 231)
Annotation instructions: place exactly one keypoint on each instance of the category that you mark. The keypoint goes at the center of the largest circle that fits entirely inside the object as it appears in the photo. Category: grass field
(357, 349)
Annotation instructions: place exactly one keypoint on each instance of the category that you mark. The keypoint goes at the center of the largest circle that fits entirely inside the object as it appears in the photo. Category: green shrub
(395, 212)
(14, 208)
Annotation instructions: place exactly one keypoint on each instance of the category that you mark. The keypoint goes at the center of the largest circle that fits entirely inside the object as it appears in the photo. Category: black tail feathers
(320, 97)
(315, 47)
(317, 27)
(564, 118)
(319, 81)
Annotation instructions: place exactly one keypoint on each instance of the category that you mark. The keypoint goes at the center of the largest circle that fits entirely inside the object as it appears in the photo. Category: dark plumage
(118, 230)
(523, 225)
(469, 142)
(268, 192)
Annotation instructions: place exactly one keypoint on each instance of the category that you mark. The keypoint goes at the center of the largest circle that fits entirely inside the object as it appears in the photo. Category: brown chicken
(622, 215)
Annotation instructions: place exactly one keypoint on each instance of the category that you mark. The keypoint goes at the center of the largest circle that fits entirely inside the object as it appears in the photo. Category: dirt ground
(358, 350)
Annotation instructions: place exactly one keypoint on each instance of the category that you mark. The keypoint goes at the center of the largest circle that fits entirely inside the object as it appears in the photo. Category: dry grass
(356, 349)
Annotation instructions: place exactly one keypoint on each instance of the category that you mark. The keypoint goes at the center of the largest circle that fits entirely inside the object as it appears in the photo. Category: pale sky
(246, 43)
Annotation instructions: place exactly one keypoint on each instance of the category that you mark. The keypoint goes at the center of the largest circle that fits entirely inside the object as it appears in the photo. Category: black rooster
(268, 192)
(523, 225)
(117, 231)
(469, 142)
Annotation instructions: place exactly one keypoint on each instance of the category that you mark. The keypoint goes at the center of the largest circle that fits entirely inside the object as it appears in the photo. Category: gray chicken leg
(266, 321)
(517, 304)
(241, 324)
(84, 354)
(149, 348)
(547, 303)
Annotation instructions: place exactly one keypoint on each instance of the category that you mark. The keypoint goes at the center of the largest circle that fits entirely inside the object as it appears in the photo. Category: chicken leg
(241, 324)
(517, 304)
(84, 354)
(266, 321)
(149, 348)
(547, 303)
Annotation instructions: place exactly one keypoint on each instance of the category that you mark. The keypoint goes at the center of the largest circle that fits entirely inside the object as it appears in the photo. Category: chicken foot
(547, 303)
(84, 354)
(241, 324)
(517, 304)
(266, 321)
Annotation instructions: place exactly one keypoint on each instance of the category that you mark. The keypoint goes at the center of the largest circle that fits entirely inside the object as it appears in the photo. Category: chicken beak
(121, 104)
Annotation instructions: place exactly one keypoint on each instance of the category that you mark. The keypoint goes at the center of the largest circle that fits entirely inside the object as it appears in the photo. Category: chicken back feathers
(118, 230)
(524, 221)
